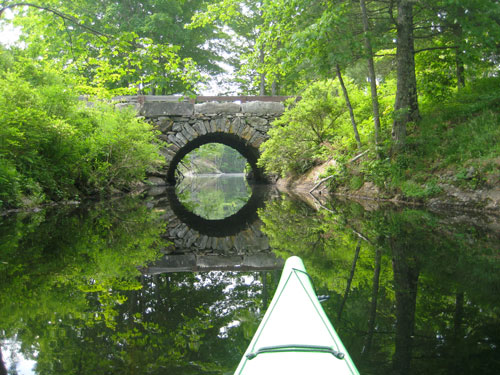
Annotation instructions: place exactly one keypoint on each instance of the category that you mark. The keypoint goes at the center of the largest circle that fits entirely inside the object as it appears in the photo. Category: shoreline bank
(480, 200)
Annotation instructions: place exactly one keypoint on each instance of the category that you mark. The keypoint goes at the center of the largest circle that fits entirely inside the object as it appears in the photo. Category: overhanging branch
(435, 48)
(57, 13)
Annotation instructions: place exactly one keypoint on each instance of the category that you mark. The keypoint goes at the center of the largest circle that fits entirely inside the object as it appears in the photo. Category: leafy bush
(356, 182)
(377, 170)
(413, 190)
(462, 131)
(310, 130)
(54, 146)
(9, 183)
(457, 134)
(118, 150)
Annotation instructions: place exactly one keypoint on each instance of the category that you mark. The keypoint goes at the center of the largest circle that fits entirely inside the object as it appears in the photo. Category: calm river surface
(176, 282)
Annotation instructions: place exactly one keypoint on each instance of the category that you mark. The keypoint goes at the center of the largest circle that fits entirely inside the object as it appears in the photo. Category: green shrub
(53, 146)
(120, 149)
(311, 129)
(377, 171)
(9, 184)
(470, 178)
(413, 190)
(356, 182)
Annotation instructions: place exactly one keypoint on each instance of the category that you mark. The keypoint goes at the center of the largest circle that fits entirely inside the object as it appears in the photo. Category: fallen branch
(358, 156)
(332, 176)
(320, 204)
(320, 182)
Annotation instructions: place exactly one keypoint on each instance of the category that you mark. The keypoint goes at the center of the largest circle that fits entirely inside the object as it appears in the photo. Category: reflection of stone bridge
(186, 125)
(237, 234)
(234, 243)
(201, 263)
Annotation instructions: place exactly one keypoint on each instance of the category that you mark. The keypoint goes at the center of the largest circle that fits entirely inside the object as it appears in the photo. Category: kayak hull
(295, 335)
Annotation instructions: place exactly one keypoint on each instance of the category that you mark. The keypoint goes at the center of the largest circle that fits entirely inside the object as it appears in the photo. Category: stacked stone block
(181, 122)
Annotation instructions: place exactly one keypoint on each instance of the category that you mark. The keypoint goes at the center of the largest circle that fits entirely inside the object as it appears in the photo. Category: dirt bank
(487, 199)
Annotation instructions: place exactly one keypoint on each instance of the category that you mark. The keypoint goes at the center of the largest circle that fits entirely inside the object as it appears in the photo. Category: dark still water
(156, 285)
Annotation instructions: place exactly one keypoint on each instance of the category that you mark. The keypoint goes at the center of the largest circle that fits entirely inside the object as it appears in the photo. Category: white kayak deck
(295, 335)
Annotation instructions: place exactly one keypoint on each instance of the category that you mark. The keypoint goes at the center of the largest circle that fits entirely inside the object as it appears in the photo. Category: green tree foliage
(127, 47)
(456, 135)
(214, 197)
(214, 158)
(299, 42)
(53, 146)
(242, 21)
(316, 128)
(452, 44)
(293, 42)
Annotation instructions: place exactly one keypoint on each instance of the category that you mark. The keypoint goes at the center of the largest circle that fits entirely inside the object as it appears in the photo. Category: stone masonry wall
(181, 122)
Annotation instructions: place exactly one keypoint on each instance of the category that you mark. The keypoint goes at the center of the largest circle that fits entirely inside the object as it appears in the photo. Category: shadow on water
(412, 291)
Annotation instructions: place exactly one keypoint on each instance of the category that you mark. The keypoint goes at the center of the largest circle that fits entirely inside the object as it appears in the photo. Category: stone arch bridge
(241, 122)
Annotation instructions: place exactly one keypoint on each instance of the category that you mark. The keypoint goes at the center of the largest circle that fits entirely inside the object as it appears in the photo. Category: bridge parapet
(151, 106)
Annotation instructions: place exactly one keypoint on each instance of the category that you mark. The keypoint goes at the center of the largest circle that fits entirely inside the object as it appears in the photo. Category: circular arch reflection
(228, 226)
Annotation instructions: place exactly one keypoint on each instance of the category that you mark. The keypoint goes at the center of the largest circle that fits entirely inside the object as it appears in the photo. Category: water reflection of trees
(214, 197)
(171, 325)
(412, 292)
(73, 298)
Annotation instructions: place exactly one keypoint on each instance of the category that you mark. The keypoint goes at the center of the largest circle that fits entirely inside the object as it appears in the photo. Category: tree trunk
(459, 63)
(460, 70)
(458, 316)
(274, 88)
(406, 104)
(457, 342)
(265, 293)
(371, 72)
(3, 369)
(406, 274)
(262, 85)
(349, 281)
(373, 305)
(349, 106)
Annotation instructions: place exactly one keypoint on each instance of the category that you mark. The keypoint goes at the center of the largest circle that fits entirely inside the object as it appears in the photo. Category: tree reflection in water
(214, 197)
(412, 292)
(73, 297)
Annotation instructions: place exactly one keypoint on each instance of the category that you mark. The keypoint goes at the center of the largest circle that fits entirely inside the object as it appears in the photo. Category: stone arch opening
(249, 152)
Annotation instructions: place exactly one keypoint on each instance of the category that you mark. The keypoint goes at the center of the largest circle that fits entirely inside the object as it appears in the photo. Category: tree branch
(62, 15)
(435, 48)
(391, 12)
(320, 182)
(428, 36)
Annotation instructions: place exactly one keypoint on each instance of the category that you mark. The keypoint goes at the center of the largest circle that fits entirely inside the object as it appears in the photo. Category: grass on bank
(456, 142)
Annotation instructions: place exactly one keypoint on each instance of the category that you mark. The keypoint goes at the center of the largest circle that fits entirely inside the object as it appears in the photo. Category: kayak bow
(295, 335)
